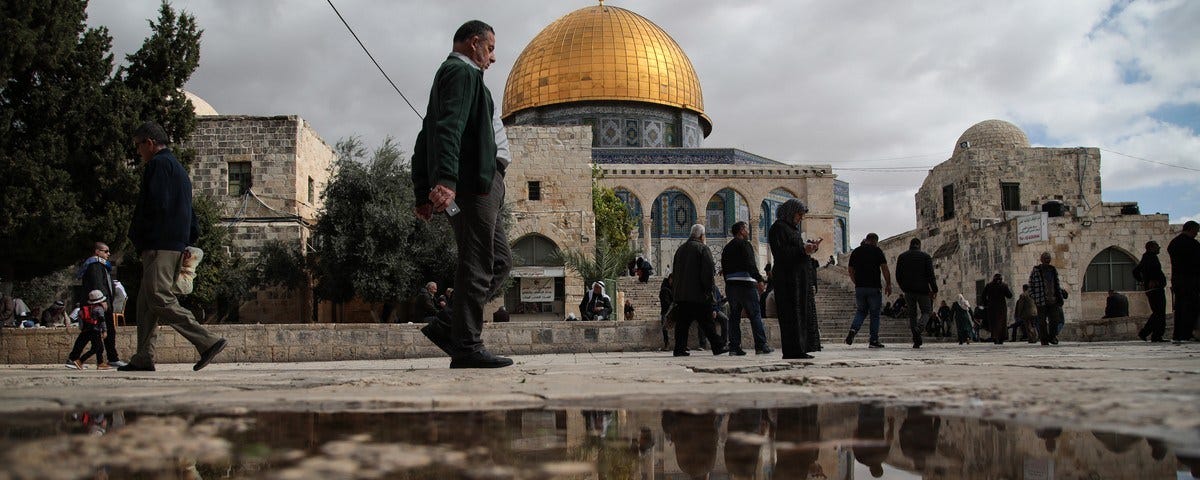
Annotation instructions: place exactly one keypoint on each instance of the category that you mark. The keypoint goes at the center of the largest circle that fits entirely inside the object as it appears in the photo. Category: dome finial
(601, 3)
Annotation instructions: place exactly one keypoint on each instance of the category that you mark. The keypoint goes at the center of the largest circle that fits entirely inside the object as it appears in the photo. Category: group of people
(690, 294)
(429, 306)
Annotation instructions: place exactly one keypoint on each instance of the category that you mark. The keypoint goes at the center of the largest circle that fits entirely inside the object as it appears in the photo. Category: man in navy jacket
(163, 225)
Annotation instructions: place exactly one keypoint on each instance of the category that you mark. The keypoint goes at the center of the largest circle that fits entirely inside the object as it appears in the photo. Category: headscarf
(788, 210)
(962, 302)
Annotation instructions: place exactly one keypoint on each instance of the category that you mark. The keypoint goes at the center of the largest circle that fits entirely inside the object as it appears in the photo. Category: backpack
(85, 316)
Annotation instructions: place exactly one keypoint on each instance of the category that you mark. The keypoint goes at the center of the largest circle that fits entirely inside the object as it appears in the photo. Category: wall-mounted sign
(1032, 228)
(537, 289)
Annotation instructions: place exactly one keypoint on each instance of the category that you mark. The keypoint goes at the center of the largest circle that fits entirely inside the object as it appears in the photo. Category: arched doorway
(769, 205)
(539, 275)
(672, 217)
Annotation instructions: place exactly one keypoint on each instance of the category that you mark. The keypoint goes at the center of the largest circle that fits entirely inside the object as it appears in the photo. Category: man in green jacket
(458, 169)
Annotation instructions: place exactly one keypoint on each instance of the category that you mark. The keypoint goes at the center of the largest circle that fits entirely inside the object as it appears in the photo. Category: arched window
(535, 250)
(1111, 269)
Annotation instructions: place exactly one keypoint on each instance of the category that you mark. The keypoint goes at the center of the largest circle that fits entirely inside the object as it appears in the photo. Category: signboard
(1032, 228)
(537, 272)
(537, 289)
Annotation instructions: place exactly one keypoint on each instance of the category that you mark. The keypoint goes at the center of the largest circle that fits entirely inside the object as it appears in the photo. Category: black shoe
(480, 359)
(1157, 340)
(720, 351)
(763, 351)
(916, 345)
(1045, 344)
(737, 353)
(1054, 341)
(801, 356)
(439, 337)
(1142, 335)
(682, 354)
(850, 337)
(135, 368)
(875, 344)
(209, 354)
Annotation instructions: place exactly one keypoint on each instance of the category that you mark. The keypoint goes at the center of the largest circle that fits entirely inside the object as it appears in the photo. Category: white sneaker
(71, 365)
(118, 364)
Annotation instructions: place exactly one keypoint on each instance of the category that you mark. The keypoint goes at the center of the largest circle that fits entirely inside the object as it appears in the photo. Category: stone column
(646, 234)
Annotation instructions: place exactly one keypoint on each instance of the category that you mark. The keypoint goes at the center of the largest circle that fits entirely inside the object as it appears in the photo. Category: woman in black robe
(792, 288)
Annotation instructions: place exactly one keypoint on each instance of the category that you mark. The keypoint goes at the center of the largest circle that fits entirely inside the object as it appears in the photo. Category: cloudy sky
(860, 85)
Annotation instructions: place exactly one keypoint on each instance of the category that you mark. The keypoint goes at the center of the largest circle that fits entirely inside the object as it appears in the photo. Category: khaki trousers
(157, 305)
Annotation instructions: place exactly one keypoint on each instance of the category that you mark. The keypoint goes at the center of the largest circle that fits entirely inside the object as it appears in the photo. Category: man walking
(1026, 314)
(96, 274)
(1049, 296)
(693, 284)
(995, 300)
(1185, 280)
(1149, 272)
(914, 274)
(163, 225)
(458, 163)
(867, 263)
(742, 282)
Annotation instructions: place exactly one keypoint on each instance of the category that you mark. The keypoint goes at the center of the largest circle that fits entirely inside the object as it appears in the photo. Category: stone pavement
(1132, 387)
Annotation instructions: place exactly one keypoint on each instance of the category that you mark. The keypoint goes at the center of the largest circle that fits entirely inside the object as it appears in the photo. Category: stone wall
(285, 154)
(560, 160)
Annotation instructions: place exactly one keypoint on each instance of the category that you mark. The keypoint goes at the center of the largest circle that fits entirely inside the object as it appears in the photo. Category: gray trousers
(156, 305)
(484, 261)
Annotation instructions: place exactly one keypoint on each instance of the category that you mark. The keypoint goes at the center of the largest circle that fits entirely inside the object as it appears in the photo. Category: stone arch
(1110, 269)
(537, 268)
(767, 207)
(680, 209)
(633, 204)
(535, 249)
(724, 207)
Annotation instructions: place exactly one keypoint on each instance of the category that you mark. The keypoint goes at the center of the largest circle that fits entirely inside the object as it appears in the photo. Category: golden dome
(603, 53)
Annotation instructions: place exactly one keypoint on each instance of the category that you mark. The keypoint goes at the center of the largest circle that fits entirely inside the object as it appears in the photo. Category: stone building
(618, 83)
(268, 172)
(998, 203)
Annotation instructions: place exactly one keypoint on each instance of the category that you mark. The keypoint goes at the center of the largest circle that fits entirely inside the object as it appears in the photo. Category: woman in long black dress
(791, 273)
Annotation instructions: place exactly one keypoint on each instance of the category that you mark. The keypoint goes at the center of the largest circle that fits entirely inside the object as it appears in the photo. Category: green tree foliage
(370, 244)
(606, 263)
(65, 118)
(613, 222)
(224, 280)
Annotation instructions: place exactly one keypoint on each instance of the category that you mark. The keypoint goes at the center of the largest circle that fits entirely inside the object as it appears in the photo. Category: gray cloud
(852, 84)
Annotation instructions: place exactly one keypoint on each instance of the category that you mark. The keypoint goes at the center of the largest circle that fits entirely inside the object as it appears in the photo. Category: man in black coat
(693, 284)
(1185, 280)
(742, 280)
(96, 274)
(914, 274)
(1150, 273)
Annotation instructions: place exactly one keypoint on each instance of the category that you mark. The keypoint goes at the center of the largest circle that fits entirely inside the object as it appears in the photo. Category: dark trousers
(920, 305)
(110, 342)
(82, 340)
(1187, 308)
(699, 312)
(1156, 325)
(484, 261)
(1049, 316)
(743, 296)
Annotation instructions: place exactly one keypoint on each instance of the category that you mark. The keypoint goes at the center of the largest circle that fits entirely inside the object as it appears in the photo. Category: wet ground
(1113, 410)
(851, 440)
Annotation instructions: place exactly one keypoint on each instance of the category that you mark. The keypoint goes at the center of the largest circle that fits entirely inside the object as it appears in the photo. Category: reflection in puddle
(840, 441)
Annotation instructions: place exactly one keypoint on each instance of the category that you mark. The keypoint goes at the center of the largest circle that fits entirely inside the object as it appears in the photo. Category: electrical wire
(1151, 161)
(372, 57)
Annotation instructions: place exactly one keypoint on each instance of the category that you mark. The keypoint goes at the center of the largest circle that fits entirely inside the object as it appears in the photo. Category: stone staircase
(835, 311)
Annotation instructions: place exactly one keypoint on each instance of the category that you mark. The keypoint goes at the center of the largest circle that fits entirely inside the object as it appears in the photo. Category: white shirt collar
(466, 59)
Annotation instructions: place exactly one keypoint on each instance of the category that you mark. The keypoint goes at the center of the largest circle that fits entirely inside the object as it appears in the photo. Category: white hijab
(962, 302)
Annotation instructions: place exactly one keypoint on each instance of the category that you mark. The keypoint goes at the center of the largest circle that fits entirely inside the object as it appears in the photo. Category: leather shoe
(875, 344)
(763, 351)
(801, 356)
(129, 367)
(209, 354)
(682, 354)
(439, 337)
(480, 359)
(737, 353)
(720, 351)
(850, 337)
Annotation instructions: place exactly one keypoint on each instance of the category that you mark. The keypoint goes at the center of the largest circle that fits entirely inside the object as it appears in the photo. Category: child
(91, 329)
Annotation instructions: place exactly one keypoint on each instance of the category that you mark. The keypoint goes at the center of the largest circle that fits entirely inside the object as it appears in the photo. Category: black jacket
(738, 256)
(1149, 271)
(693, 272)
(1185, 262)
(914, 272)
(163, 218)
(96, 276)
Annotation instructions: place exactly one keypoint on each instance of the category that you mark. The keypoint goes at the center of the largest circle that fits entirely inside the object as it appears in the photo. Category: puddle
(841, 441)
